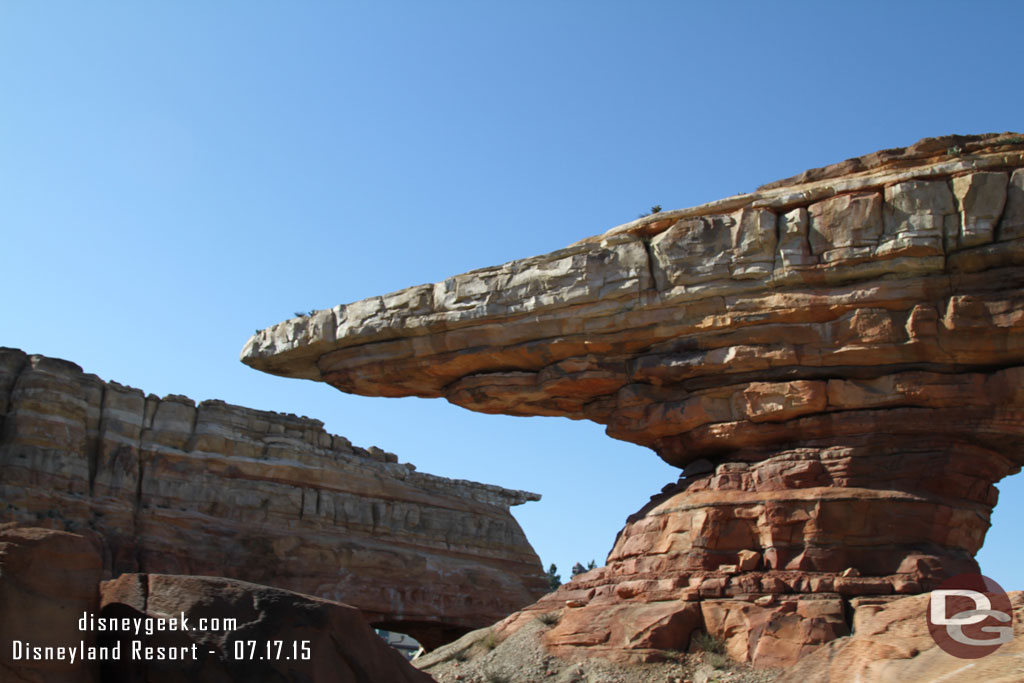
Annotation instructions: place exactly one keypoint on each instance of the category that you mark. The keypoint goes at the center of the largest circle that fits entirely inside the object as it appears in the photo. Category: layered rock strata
(222, 490)
(836, 361)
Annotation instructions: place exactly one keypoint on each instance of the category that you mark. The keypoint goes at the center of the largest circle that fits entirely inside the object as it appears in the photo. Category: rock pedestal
(836, 363)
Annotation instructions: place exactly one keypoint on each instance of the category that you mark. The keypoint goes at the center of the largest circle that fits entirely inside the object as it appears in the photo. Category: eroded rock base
(768, 631)
(486, 656)
(892, 643)
(770, 556)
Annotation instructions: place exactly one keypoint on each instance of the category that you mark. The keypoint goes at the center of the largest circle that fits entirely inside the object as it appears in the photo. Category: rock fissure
(652, 281)
(136, 516)
(94, 432)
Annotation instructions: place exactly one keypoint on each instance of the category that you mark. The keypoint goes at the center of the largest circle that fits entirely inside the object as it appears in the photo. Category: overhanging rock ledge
(837, 360)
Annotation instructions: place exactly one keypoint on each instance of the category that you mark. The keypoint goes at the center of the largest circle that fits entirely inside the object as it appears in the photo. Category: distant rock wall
(53, 604)
(222, 490)
(836, 361)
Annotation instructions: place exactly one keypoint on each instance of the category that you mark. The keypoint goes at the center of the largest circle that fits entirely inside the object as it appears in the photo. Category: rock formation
(48, 579)
(221, 490)
(836, 361)
(281, 636)
(60, 624)
(892, 643)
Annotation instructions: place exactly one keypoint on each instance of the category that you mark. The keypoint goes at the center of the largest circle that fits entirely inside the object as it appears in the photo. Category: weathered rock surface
(837, 361)
(280, 635)
(892, 643)
(484, 656)
(634, 617)
(48, 579)
(221, 490)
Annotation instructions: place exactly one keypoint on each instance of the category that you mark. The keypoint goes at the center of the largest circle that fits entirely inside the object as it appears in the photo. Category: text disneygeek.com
(129, 646)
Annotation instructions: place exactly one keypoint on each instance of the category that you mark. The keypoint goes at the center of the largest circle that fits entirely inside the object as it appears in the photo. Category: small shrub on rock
(489, 641)
(707, 642)
(549, 618)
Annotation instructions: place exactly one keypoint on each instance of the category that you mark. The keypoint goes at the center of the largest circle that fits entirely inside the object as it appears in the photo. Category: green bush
(554, 579)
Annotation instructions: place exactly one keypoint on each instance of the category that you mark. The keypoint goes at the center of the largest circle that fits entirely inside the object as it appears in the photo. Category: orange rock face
(836, 361)
(892, 643)
(222, 490)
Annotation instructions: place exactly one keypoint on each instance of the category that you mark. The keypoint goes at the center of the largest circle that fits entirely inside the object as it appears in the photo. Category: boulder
(48, 580)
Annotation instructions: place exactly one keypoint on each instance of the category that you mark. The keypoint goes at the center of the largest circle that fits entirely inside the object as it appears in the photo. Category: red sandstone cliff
(837, 361)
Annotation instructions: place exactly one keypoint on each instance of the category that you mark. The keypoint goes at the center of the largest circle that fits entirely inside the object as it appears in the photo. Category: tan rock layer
(217, 489)
(836, 360)
(684, 328)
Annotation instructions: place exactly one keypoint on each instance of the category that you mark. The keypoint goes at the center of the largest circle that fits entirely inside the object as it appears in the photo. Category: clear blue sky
(175, 175)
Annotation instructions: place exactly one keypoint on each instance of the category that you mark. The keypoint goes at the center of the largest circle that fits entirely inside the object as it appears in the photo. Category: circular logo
(969, 616)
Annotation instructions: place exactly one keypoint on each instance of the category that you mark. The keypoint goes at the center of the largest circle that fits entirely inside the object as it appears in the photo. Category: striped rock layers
(221, 490)
(836, 361)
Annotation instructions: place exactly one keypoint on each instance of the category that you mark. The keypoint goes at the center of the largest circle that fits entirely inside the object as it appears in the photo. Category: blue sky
(176, 175)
